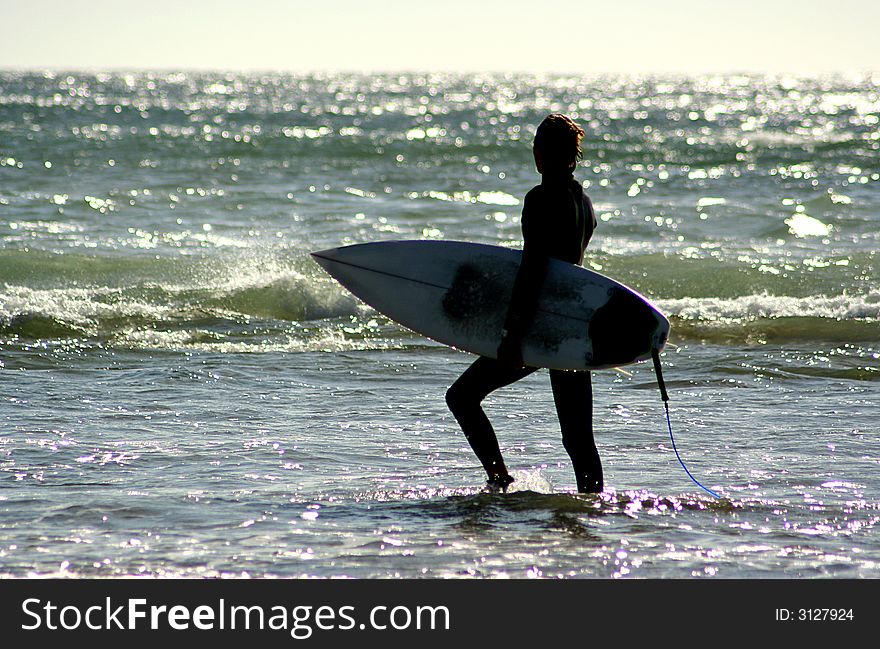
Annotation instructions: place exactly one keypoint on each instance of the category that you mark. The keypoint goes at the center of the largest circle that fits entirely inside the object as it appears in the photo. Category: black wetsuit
(558, 221)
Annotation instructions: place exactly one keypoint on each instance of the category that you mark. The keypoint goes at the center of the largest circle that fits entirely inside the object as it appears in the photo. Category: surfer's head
(557, 145)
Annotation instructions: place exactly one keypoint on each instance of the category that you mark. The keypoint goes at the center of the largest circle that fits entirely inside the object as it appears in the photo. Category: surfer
(557, 222)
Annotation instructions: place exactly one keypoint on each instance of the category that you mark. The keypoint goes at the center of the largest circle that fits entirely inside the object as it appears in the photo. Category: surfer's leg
(464, 397)
(573, 394)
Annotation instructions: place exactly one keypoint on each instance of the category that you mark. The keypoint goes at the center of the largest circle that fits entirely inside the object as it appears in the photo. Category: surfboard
(457, 293)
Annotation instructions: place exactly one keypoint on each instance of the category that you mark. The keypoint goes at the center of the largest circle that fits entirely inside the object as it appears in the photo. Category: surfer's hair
(558, 139)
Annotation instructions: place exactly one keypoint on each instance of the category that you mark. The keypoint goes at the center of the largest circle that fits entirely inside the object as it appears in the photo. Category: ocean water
(183, 392)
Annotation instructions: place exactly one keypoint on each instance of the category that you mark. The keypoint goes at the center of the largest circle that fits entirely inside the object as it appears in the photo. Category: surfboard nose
(330, 253)
(325, 258)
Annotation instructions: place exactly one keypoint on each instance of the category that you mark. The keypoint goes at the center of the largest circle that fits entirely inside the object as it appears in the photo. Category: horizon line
(445, 71)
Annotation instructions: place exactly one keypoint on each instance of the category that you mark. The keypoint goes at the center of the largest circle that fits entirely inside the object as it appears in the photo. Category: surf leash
(655, 354)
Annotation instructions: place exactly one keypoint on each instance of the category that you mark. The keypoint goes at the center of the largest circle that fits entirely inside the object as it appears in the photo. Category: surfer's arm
(526, 290)
(526, 286)
(523, 305)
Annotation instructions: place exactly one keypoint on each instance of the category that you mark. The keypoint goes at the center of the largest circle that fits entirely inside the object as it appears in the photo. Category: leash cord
(655, 354)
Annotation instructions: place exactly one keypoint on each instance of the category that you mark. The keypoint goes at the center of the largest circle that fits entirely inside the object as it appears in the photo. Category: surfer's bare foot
(498, 484)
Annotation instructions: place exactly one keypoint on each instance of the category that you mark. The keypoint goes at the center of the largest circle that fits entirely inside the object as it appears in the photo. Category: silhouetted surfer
(557, 222)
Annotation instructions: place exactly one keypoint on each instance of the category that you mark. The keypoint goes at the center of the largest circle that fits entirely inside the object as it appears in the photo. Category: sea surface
(184, 392)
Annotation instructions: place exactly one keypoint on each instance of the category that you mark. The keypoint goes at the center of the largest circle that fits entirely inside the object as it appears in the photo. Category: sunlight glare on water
(186, 393)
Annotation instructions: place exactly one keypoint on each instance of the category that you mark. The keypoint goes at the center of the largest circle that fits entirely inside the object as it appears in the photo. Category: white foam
(531, 480)
(81, 308)
(86, 308)
(751, 307)
(325, 340)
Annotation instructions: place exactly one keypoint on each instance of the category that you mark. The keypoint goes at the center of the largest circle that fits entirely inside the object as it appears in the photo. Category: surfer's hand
(510, 352)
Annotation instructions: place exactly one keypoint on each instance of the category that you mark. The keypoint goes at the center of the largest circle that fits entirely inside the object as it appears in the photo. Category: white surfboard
(457, 293)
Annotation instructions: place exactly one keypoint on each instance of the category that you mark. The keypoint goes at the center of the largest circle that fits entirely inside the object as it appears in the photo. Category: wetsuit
(557, 222)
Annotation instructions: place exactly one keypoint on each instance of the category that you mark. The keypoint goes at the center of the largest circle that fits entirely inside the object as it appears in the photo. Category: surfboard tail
(626, 328)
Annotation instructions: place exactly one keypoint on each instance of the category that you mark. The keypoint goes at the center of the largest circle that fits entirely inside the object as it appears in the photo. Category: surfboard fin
(655, 356)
